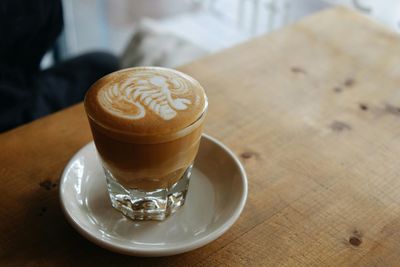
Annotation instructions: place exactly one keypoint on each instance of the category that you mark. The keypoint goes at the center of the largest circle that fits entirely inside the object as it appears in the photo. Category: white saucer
(216, 197)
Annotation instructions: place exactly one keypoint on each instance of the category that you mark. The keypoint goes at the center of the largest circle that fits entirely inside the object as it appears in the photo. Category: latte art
(146, 102)
(146, 92)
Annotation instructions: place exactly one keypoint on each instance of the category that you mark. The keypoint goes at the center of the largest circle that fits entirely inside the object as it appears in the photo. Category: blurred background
(187, 28)
(55, 49)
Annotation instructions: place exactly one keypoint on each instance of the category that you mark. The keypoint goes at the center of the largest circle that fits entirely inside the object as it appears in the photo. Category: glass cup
(147, 173)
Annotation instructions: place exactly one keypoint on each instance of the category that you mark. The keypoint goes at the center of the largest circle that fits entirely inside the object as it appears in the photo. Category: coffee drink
(146, 123)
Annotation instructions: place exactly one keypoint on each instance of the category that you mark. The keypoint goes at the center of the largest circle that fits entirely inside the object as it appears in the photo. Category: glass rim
(135, 137)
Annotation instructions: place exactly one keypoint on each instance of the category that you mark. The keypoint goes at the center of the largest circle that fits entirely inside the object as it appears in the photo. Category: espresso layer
(147, 166)
(145, 101)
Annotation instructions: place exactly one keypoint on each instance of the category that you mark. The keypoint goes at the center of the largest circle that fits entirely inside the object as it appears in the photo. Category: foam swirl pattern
(145, 101)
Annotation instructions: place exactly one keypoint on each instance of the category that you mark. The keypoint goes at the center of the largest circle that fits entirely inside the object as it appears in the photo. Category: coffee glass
(147, 123)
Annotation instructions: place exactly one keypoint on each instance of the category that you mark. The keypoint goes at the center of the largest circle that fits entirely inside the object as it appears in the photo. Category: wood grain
(313, 111)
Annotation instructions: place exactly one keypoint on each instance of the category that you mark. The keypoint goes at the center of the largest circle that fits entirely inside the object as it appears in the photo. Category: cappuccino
(146, 123)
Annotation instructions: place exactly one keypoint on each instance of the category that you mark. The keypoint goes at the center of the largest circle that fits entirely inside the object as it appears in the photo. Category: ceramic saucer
(216, 197)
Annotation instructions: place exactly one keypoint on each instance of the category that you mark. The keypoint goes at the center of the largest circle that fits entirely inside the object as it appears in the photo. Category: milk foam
(146, 91)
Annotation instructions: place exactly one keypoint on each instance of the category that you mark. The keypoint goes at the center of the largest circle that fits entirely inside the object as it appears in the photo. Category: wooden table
(313, 111)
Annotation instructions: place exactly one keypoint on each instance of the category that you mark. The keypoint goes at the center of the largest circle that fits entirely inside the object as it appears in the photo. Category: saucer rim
(159, 251)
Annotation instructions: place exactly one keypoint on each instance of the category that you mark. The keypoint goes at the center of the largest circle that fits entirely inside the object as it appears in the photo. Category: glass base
(148, 205)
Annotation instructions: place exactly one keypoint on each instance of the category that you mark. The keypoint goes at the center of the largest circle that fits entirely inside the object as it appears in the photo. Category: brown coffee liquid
(146, 124)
